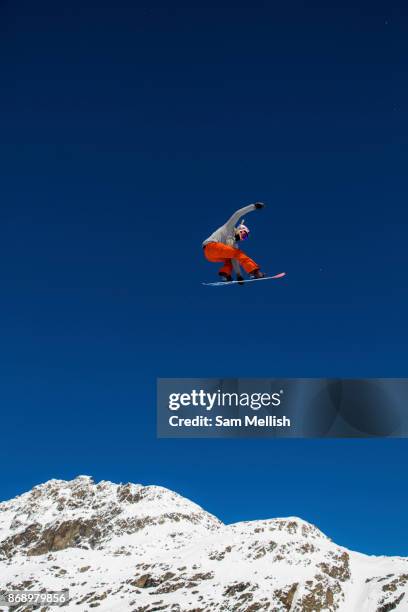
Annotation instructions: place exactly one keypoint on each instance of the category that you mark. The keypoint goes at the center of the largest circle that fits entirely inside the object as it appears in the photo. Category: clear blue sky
(129, 131)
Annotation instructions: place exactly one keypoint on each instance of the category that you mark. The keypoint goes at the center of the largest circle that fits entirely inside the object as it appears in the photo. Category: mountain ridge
(120, 547)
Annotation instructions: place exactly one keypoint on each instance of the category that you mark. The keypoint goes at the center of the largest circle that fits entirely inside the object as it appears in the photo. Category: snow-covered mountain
(139, 548)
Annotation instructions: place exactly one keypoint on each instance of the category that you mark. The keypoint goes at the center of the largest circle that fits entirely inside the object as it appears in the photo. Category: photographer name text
(220, 421)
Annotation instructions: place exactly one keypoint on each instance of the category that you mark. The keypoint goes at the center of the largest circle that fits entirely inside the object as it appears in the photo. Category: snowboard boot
(257, 274)
(225, 277)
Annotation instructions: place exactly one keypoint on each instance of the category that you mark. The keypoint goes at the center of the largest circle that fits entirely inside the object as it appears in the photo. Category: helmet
(242, 231)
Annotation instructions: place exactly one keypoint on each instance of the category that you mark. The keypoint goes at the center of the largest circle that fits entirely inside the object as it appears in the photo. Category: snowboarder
(222, 246)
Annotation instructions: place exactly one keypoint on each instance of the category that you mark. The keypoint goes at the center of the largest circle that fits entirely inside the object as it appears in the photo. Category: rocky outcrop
(142, 548)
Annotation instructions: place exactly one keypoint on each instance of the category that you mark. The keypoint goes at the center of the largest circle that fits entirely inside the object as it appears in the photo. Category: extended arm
(240, 213)
(236, 266)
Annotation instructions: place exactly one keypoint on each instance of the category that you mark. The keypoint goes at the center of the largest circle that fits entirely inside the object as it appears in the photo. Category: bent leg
(246, 262)
(217, 251)
(226, 268)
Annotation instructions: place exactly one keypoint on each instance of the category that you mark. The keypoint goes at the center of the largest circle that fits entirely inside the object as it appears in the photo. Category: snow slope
(135, 548)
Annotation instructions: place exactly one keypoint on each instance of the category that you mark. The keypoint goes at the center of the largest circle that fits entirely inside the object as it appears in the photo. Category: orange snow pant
(217, 251)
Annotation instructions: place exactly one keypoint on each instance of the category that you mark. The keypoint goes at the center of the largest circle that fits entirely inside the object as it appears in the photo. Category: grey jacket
(226, 233)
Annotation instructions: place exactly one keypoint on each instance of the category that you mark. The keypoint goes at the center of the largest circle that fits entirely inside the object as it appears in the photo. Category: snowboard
(248, 280)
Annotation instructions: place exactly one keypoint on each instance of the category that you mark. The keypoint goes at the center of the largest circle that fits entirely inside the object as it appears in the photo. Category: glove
(259, 205)
(240, 279)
